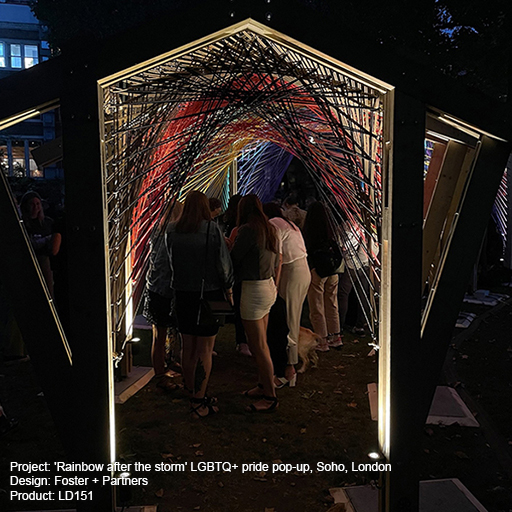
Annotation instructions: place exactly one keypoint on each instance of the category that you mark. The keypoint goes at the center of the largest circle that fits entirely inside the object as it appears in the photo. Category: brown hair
(195, 210)
(273, 210)
(171, 213)
(250, 212)
(25, 207)
(317, 226)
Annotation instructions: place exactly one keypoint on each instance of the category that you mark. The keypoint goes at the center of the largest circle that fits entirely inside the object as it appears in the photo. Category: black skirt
(158, 310)
(187, 308)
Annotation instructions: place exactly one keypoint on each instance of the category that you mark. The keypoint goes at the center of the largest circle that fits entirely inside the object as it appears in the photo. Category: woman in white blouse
(294, 283)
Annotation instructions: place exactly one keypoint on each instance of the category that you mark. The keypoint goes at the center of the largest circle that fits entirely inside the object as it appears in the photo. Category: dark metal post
(89, 330)
(399, 425)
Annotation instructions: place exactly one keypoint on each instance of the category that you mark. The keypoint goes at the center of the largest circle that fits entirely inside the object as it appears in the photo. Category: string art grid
(180, 126)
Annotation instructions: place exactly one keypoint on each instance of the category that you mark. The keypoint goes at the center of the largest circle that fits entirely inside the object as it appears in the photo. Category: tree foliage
(468, 39)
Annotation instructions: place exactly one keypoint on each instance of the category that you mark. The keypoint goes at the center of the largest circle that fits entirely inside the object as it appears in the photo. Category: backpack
(327, 260)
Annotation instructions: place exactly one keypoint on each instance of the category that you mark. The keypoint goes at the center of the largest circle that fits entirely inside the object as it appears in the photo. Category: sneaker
(335, 342)
(322, 347)
(359, 331)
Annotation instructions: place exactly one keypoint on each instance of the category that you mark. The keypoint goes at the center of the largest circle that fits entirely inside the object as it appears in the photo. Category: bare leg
(200, 375)
(158, 349)
(189, 360)
(204, 347)
(256, 331)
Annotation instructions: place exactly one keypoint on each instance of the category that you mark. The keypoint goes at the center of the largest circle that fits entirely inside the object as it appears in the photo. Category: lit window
(45, 45)
(15, 55)
(2, 55)
(31, 57)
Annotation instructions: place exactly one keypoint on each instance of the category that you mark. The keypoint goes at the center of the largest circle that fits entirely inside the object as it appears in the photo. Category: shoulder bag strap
(205, 258)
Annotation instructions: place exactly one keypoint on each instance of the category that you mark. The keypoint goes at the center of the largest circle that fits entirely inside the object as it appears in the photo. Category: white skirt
(257, 298)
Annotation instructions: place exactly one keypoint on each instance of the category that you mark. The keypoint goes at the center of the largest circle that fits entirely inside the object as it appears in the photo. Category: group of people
(255, 257)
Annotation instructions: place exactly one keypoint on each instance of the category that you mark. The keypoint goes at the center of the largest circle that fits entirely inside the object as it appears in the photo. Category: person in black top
(44, 240)
(322, 293)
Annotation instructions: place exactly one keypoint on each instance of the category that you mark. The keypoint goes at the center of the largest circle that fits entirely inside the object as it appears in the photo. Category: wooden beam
(432, 175)
(441, 201)
(457, 196)
(456, 264)
(450, 216)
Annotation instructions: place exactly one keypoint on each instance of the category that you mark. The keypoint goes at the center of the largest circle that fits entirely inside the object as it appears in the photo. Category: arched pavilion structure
(412, 160)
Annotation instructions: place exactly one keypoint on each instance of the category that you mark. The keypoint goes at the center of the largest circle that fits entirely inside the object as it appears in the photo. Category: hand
(229, 296)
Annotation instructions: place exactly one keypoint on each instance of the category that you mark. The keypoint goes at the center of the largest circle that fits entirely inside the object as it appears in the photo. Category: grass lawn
(325, 418)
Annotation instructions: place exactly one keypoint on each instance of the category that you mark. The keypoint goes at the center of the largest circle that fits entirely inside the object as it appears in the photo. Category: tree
(470, 40)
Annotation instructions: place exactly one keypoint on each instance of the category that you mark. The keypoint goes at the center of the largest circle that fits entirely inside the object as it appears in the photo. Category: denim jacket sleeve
(223, 259)
(159, 275)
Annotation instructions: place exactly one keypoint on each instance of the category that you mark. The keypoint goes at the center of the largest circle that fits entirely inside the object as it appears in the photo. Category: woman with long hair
(293, 286)
(322, 293)
(230, 216)
(40, 229)
(158, 303)
(198, 252)
(256, 263)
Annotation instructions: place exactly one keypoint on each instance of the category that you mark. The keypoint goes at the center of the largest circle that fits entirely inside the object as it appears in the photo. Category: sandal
(256, 392)
(202, 403)
(273, 406)
(211, 400)
(281, 382)
(167, 384)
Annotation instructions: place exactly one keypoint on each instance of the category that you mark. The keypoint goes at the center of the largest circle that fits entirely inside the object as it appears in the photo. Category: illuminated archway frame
(115, 126)
(124, 112)
(178, 124)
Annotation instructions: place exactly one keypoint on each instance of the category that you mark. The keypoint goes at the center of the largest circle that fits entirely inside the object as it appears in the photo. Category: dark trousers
(277, 336)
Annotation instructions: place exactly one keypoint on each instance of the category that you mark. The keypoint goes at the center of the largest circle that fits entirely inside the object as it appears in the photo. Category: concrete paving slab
(138, 378)
(447, 407)
(447, 495)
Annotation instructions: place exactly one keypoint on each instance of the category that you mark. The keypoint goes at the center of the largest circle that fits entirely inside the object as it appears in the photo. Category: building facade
(23, 45)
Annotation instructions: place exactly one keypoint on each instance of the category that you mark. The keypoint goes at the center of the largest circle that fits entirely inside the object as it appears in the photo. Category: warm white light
(375, 455)
(124, 474)
(134, 340)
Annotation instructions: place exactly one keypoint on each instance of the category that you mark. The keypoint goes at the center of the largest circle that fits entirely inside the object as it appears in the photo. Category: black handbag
(211, 312)
(327, 259)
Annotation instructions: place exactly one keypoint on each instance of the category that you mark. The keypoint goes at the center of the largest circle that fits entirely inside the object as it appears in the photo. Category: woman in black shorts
(187, 244)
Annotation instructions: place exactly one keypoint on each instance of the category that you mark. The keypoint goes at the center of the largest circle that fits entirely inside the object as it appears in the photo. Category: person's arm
(55, 244)
(281, 234)
(223, 259)
(230, 241)
(278, 269)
